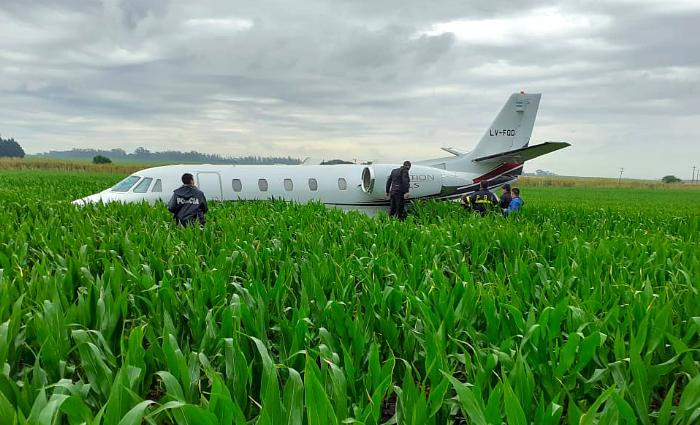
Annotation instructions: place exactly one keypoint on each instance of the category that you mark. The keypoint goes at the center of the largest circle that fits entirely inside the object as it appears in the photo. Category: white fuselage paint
(360, 187)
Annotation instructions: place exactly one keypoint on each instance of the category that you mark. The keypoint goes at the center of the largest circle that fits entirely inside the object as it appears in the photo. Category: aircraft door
(210, 184)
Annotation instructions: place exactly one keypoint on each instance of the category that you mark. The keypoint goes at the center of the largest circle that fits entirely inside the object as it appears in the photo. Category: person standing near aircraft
(481, 201)
(506, 197)
(515, 204)
(397, 187)
(188, 203)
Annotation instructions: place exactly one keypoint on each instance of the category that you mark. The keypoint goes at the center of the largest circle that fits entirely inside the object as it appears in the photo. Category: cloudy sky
(372, 79)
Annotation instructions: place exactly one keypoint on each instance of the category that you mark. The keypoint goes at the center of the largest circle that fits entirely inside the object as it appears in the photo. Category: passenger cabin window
(313, 184)
(342, 184)
(237, 186)
(142, 187)
(126, 184)
(262, 185)
(288, 185)
(157, 186)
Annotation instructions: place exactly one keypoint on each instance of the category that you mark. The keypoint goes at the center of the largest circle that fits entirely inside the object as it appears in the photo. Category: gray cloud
(355, 79)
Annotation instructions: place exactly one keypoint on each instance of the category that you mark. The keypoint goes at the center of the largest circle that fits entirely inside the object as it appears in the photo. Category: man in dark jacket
(505, 197)
(397, 186)
(481, 201)
(188, 203)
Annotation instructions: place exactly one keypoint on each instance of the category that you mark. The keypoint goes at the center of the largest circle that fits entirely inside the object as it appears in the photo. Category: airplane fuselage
(344, 186)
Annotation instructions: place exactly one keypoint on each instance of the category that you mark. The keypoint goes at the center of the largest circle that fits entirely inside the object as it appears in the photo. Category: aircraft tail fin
(504, 146)
(512, 127)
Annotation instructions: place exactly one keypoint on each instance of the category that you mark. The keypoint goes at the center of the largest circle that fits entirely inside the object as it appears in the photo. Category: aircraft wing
(518, 156)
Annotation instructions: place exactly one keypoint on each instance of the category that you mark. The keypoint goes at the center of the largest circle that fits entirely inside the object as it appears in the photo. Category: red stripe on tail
(500, 170)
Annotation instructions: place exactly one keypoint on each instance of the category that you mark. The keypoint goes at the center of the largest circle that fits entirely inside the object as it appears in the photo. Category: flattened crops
(584, 309)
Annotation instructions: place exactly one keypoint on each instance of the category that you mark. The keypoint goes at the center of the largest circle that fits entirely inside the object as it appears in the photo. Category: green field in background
(582, 309)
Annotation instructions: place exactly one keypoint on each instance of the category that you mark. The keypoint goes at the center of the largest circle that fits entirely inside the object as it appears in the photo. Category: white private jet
(498, 158)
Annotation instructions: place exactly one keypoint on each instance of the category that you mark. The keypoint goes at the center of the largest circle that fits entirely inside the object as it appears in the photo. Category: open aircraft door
(210, 184)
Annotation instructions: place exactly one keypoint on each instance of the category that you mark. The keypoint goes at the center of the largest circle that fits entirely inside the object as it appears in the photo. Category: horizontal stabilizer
(454, 151)
(518, 156)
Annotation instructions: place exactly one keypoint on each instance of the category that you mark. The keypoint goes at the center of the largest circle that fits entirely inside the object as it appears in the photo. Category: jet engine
(425, 181)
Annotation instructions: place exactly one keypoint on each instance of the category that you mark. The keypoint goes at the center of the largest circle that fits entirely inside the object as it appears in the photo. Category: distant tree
(99, 159)
(670, 179)
(142, 152)
(336, 162)
(10, 148)
(118, 153)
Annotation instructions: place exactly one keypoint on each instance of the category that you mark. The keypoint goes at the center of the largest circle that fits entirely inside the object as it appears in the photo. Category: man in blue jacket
(515, 204)
(397, 186)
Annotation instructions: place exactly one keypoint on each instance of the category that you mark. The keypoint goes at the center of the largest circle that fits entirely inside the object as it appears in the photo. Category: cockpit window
(142, 187)
(126, 184)
(157, 186)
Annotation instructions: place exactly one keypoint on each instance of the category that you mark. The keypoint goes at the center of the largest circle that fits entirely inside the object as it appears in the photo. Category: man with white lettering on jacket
(188, 203)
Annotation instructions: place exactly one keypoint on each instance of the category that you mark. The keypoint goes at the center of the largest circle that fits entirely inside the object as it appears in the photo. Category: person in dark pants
(397, 186)
(481, 201)
(505, 197)
(188, 203)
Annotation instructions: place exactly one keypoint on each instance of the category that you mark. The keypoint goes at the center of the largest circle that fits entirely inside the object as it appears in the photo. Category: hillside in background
(144, 155)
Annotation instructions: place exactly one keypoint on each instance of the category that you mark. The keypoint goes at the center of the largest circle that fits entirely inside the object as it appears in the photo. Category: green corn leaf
(567, 355)
(172, 386)
(589, 417)
(50, 412)
(272, 411)
(664, 417)
(319, 410)
(690, 400)
(136, 414)
(514, 411)
(624, 409)
(195, 415)
(7, 410)
(437, 396)
(468, 402)
(220, 402)
(294, 398)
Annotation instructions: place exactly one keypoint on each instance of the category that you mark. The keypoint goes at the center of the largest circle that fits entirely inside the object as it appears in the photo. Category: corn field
(584, 309)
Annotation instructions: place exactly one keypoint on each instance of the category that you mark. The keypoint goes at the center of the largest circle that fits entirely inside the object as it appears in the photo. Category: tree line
(145, 155)
(10, 148)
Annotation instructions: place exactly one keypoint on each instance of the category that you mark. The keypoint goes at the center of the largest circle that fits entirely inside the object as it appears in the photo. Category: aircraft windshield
(126, 184)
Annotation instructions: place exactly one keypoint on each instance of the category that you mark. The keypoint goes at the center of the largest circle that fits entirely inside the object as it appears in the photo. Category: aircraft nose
(87, 200)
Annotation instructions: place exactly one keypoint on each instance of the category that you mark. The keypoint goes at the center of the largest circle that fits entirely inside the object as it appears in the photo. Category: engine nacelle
(425, 181)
